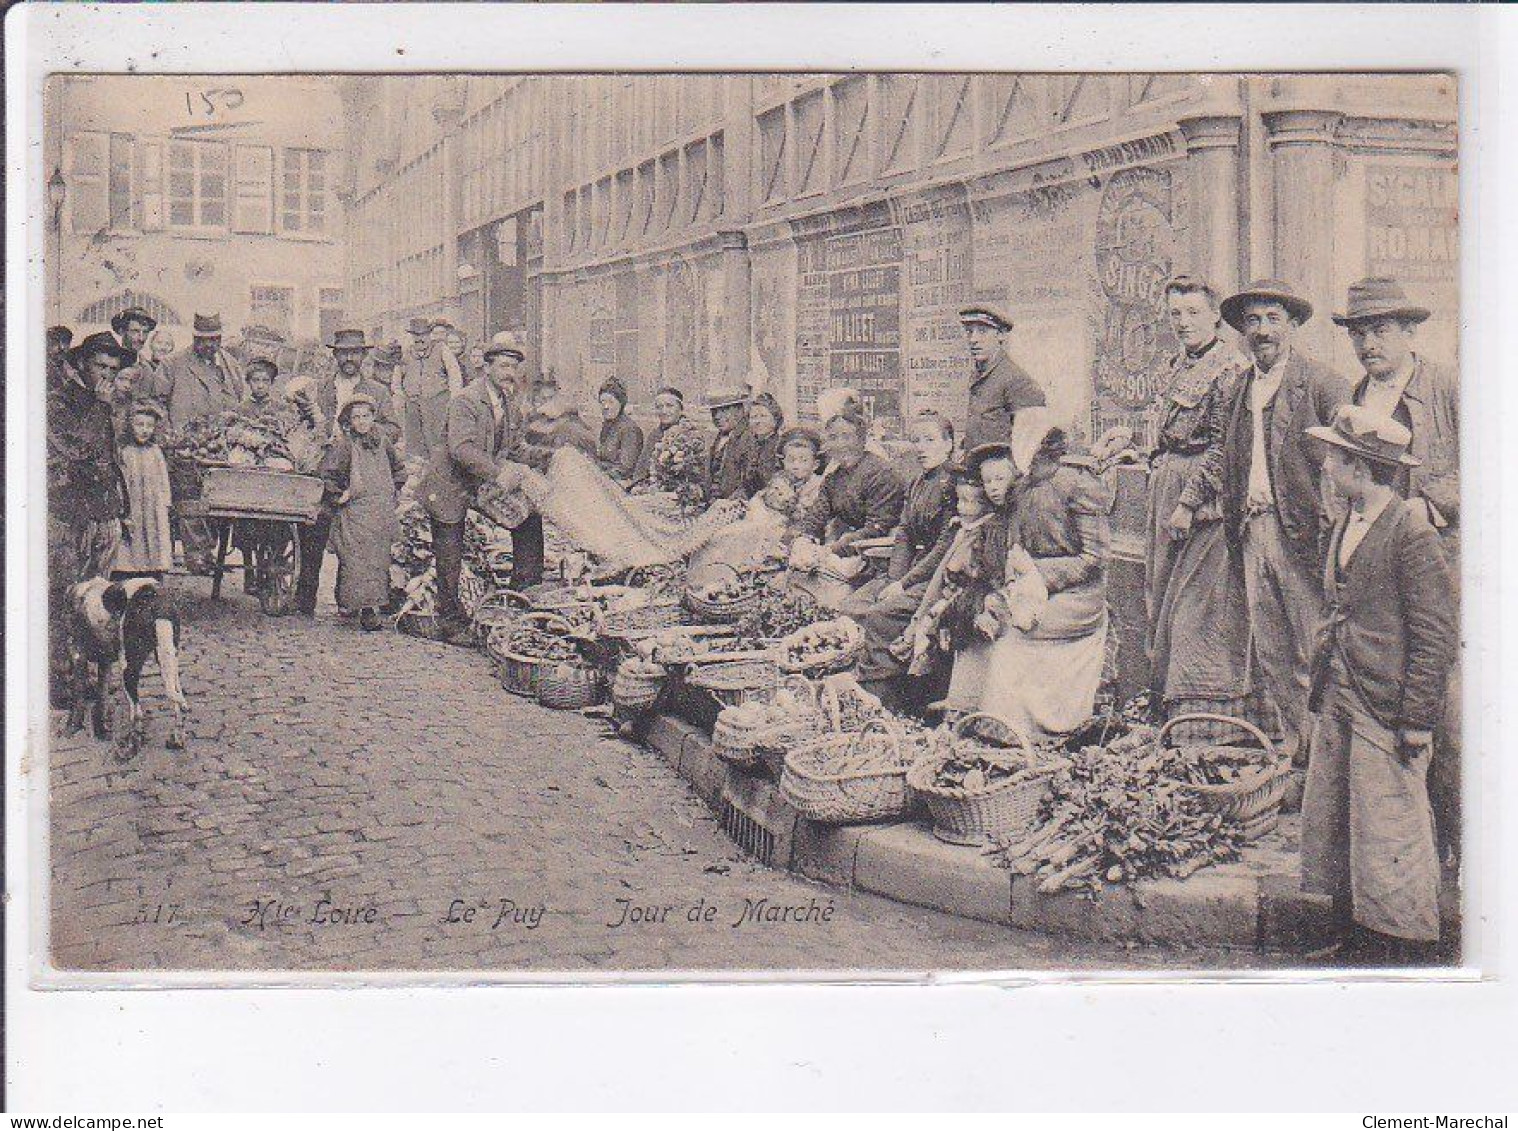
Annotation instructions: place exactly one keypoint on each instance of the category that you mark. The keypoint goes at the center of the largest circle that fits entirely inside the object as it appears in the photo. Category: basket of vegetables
(979, 790)
(849, 778)
(1243, 784)
(727, 601)
(744, 733)
(624, 624)
(732, 682)
(825, 648)
(525, 651)
(503, 608)
(835, 706)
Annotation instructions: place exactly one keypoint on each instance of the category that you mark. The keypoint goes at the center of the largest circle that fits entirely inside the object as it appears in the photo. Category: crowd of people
(1302, 540)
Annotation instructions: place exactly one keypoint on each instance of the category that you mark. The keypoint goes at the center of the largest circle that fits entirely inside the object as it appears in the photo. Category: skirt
(1044, 686)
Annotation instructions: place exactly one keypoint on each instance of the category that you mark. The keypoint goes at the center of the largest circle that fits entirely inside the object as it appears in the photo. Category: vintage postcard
(731, 524)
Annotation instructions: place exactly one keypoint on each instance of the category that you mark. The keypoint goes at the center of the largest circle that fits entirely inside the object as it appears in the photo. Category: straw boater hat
(1265, 290)
(724, 396)
(1369, 434)
(349, 340)
(984, 314)
(207, 326)
(508, 342)
(983, 452)
(1379, 297)
(133, 314)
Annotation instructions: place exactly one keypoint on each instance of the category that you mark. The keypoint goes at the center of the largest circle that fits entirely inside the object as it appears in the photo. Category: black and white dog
(114, 627)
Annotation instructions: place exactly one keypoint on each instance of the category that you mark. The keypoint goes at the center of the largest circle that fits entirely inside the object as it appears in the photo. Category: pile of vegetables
(975, 772)
(537, 644)
(276, 438)
(1116, 815)
(486, 554)
(780, 613)
(817, 645)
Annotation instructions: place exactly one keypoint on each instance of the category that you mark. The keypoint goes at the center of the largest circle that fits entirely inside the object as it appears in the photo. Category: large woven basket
(503, 608)
(1254, 800)
(729, 611)
(635, 688)
(521, 674)
(570, 685)
(830, 662)
(732, 682)
(843, 780)
(624, 624)
(1001, 809)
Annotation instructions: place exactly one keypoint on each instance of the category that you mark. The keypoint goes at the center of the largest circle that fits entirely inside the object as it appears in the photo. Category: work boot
(369, 621)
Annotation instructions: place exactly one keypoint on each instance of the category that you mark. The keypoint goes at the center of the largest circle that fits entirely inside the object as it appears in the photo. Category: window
(273, 307)
(197, 184)
(811, 123)
(303, 195)
(253, 189)
(773, 155)
(898, 121)
(119, 187)
(88, 202)
(851, 110)
(330, 312)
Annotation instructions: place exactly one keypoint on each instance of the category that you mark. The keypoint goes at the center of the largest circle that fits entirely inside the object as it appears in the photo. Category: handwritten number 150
(210, 101)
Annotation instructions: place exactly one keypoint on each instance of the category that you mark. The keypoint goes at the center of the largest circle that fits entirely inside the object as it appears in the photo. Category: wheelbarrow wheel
(278, 573)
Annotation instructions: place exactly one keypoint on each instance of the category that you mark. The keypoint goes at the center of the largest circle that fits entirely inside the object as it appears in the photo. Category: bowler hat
(133, 314)
(207, 326)
(1264, 290)
(1370, 434)
(723, 396)
(1378, 297)
(506, 342)
(348, 340)
(984, 314)
(102, 343)
(419, 326)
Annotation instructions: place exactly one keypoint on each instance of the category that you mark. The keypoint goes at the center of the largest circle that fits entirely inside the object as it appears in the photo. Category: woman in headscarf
(1049, 616)
(620, 446)
(766, 424)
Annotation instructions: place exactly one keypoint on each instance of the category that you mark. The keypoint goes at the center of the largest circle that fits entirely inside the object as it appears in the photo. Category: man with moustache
(1269, 474)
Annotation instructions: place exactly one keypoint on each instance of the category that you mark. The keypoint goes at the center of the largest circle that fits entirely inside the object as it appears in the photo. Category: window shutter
(150, 177)
(87, 198)
(253, 190)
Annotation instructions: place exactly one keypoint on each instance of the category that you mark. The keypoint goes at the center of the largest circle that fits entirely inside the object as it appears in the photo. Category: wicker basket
(520, 674)
(839, 780)
(624, 624)
(826, 663)
(1254, 800)
(503, 608)
(734, 742)
(733, 682)
(1005, 808)
(569, 685)
(728, 611)
(634, 689)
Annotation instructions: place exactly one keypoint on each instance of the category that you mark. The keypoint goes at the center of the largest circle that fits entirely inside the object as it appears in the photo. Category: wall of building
(122, 236)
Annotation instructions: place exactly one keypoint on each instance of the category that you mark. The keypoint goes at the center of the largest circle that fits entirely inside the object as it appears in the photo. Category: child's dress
(365, 527)
(148, 546)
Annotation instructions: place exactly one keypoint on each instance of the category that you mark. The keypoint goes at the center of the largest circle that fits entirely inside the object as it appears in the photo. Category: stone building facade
(197, 194)
(805, 231)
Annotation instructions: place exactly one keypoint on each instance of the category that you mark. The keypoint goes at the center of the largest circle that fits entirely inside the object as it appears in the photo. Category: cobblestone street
(329, 815)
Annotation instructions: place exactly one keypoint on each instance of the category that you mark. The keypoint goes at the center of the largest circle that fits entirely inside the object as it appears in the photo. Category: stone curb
(1232, 907)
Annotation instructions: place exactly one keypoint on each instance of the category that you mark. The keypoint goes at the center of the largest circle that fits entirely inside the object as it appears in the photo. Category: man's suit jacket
(727, 462)
(1308, 395)
(474, 450)
(1430, 408)
(1391, 618)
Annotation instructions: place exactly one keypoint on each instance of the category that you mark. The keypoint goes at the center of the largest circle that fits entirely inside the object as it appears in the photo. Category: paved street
(345, 795)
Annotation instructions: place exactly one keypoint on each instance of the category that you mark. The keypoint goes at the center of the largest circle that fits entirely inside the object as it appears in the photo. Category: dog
(114, 628)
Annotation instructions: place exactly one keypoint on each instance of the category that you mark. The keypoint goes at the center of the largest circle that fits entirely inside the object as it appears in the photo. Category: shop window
(198, 185)
(303, 192)
(102, 311)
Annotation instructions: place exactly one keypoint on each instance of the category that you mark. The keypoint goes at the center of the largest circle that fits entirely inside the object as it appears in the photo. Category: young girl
(147, 546)
(364, 476)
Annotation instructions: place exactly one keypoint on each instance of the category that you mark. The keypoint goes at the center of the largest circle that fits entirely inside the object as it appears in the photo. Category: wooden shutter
(253, 189)
(87, 196)
(150, 180)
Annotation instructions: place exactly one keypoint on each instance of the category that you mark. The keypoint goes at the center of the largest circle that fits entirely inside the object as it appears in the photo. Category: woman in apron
(364, 476)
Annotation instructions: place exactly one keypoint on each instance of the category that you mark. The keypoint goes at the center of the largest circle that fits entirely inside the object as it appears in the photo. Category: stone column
(1214, 223)
(1302, 166)
(737, 290)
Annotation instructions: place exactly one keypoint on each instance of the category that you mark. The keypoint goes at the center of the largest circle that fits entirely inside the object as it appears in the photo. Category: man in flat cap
(733, 446)
(1382, 323)
(1000, 388)
(1268, 473)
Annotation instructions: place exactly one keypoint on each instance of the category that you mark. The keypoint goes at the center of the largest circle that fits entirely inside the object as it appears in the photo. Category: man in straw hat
(999, 388)
(1388, 642)
(332, 395)
(1269, 482)
(1382, 324)
(733, 446)
(483, 436)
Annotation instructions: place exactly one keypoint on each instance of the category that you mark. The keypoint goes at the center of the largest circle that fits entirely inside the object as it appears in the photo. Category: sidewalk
(1253, 903)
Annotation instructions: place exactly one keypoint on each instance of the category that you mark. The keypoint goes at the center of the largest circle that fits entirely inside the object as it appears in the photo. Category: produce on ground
(538, 644)
(779, 614)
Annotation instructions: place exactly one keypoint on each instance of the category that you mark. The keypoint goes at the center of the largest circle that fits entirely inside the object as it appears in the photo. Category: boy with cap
(1379, 672)
(1000, 388)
